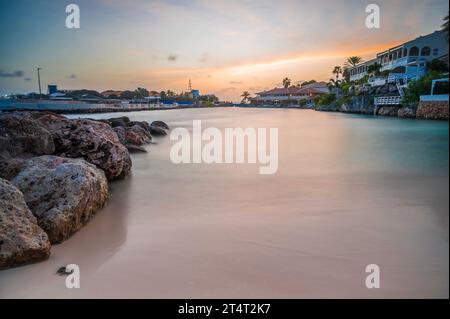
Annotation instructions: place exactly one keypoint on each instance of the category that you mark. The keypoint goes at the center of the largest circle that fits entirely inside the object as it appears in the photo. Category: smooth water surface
(350, 191)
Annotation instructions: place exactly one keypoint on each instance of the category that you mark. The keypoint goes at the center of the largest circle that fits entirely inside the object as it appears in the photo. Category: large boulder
(62, 193)
(388, 110)
(94, 141)
(159, 124)
(22, 241)
(137, 135)
(20, 135)
(127, 141)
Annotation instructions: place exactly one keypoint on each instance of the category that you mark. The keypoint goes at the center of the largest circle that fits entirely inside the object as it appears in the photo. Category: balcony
(400, 62)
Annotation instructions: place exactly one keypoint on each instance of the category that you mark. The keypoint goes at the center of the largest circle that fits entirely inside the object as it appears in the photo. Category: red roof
(318, 87)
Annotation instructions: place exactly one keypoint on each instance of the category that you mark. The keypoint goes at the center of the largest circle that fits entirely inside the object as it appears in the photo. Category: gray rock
(137, 135)
(62, 193)
(406, 112)
(94, 141)
(160, 124)
(21, 135)
(22, 241)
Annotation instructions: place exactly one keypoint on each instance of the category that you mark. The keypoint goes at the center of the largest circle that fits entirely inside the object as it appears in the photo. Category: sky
(224, 46)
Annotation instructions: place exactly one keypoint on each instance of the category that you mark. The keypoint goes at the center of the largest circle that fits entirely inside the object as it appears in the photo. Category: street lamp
(39, 82)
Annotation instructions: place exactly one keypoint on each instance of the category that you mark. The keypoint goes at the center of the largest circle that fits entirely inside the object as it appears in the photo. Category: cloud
(15, 74)
(72, 76)
(172, 57)
(236, 82)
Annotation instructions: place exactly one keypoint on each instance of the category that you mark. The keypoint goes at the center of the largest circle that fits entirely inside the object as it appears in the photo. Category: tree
(445, 26)
(337, 71)
(374, 69)
(334, 84)
(245, 97)
(140, 93)
(346, 74)
(419, 87)
(127, 95)
(353, 61)
(437, 65)
(308, 82)
(286, 82)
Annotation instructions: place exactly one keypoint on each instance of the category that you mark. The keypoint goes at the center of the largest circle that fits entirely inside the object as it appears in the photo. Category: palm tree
(245, 97)
(353, 61)
(337, 71)
(286, 82)
(374, 69)
(445, 26)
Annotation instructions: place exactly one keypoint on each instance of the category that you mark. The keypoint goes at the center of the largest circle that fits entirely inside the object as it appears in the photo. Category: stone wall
(433, 110)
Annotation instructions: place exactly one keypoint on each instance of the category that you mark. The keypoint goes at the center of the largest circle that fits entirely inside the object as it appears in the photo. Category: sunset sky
(225, 47)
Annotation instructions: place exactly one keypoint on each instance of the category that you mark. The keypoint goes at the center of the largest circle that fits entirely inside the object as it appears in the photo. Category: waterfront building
(407, 60)
(293, 93)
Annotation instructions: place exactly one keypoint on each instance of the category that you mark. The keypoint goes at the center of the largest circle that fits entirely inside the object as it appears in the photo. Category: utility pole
(39, 81)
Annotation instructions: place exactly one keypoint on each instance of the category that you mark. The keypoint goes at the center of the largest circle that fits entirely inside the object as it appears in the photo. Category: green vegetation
(374, 69)
(308, 82)
(353, 61)
(337, 71)
(437, 66)
(287, 82)
(325, 99)
(416, 88)
(140, 93)
(245, 97)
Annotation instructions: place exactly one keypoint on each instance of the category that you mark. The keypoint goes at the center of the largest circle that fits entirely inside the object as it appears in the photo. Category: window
(414, 51)
(426, 51)
(435, 51)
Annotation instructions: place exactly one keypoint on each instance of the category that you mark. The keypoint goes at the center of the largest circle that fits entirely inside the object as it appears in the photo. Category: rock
(120, 131)
(406, 112)
(63, 271)
(157, 131)
(433, 110)
(327, 108)
(94, 141)
(62, 193)
(119, 121)
(388, 110)
(135, 148)
(10, 167)
(22, 241)
(160, 124)
(21, 135)
(137, 135)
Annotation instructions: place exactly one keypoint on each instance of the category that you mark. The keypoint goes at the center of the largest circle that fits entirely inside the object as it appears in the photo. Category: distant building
(195, 94)
(293, 93)
(408, 59)
(52, 88)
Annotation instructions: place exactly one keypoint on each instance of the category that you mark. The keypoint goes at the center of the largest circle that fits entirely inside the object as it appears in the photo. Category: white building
(408, 59)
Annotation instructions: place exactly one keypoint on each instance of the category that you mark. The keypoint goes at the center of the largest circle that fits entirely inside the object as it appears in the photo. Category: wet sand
(350, 191)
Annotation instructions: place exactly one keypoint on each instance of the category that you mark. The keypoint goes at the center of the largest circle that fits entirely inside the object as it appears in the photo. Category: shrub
(419, 87)
(325, 99)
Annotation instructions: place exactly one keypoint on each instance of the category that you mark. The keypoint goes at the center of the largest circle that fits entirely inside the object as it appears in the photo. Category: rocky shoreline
(431, 110)
(54, 175)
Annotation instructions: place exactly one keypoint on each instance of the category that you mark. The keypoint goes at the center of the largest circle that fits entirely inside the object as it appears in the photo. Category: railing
(394, 77)
(387, 100)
